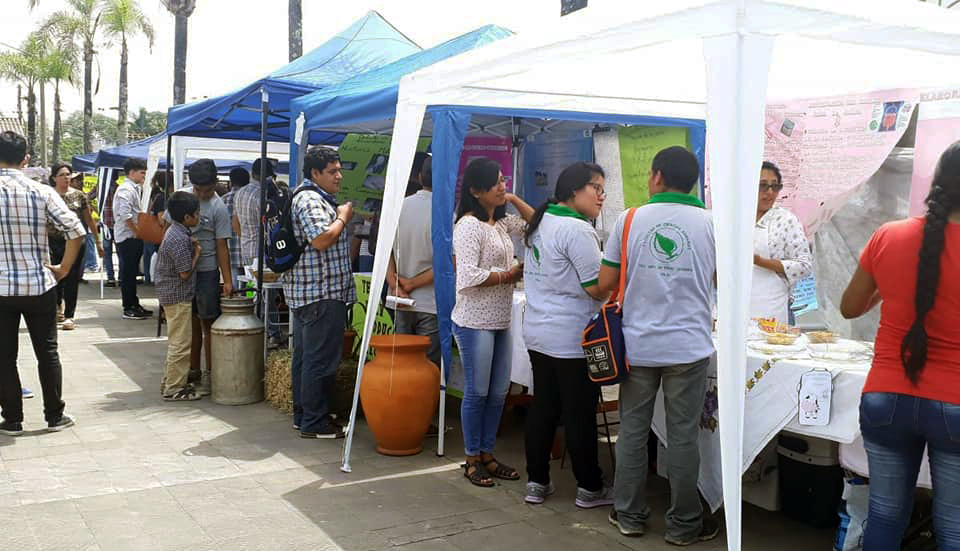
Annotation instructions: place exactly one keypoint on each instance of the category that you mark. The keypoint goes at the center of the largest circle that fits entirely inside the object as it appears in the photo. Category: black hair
(481, 174)
(269, 168)
(767, 165)
(203, 172)
(573, 178)
(239, 177)
(13, 148)
(426, 173)
(159, 183)
(679, 168)
(55, 168)
(318, 157)
(132, 164)
(943, 199)
(182, 203)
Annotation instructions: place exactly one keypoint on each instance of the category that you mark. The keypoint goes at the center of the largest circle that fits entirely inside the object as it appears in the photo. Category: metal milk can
(236, 376)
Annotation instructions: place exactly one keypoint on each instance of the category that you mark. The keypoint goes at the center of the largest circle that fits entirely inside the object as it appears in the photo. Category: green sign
(638, 146)
(383, 324)
(363, 160)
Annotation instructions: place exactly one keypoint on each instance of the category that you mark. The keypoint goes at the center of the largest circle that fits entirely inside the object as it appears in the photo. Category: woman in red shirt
(911, 399)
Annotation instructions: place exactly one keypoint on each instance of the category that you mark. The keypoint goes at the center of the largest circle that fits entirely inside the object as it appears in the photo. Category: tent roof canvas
(368, 43)
(368, 102)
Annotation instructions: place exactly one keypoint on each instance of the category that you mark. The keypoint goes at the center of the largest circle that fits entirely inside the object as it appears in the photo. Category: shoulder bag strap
(624, 240)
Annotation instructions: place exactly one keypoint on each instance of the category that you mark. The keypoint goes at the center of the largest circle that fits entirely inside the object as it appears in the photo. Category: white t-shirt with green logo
(671, 261)
(563, 258)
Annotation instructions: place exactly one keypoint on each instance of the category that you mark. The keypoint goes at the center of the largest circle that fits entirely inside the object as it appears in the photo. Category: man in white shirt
(410, 272)
(126, 212)
(667, 323)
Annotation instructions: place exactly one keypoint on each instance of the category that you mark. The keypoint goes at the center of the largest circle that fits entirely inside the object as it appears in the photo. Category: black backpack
(283, 250)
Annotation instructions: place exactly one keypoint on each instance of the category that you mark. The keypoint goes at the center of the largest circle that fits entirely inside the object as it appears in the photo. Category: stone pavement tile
(282, 481)
(13, 539)
(87, 484)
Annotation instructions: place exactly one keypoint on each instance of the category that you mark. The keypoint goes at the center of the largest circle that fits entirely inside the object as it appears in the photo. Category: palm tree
(61, 62)
(295, 26)
(25, 66)
(123, 18)
(182, 10)
(80, 24)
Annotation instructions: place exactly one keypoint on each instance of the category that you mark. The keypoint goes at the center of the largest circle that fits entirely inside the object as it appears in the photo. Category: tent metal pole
(442, 414)
(264, 113)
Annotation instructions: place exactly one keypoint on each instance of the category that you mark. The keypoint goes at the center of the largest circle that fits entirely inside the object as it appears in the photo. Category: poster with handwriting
(363, 160)
(638, 146)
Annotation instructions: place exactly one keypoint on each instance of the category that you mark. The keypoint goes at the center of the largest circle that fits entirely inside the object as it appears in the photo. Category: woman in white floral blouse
(483, 249)
(781, 252)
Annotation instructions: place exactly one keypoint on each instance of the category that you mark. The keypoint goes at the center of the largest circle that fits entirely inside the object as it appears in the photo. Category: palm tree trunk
(43, 124)
(295, 26)
(180, 60)
(57, 129)
(122, 106)
(32, 125)
(88, 97)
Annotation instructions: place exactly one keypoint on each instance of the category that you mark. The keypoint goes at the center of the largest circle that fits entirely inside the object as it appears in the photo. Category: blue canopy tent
(368, 43)
(367, 103)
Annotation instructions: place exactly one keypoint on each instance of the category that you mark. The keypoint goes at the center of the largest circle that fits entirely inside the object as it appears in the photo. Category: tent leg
(442, 414)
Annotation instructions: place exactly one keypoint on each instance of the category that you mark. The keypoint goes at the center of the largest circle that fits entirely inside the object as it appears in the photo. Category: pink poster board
(938, 125)
(827, 147)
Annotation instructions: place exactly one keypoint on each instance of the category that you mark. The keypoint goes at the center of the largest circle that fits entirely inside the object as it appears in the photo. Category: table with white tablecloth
(771, 405)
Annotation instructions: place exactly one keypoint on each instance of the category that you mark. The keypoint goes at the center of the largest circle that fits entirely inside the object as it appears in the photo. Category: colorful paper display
(638, 146)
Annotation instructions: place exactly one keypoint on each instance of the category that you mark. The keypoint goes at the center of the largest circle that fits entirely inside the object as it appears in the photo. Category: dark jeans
(130, 251)
(317, 349)
(68, 287)
(108, 257)
(563, 394)
(40, 313)
(895, 429)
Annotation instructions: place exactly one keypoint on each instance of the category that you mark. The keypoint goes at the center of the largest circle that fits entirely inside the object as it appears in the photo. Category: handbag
(149, 228)
(603, 344)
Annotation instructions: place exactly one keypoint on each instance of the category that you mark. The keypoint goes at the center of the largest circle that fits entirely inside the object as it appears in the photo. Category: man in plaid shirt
(239, 177)
(28, 281)
(318, 288)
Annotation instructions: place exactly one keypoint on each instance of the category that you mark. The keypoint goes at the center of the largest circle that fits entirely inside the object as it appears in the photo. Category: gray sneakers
(624, 529)
(588, 500)
(709, 530)
(536, 493)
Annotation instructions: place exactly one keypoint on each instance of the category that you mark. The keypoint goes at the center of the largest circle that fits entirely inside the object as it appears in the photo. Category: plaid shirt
(126, 206)
(175, 255)
(247, 205)
(27, 207)
(233, 243)
(318, 275)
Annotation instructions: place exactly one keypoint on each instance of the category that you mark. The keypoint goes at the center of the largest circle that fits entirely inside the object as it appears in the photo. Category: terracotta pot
(399, 391)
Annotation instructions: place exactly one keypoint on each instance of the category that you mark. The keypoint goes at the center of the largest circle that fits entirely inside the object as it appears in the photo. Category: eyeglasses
(599, 189)
(764, 187)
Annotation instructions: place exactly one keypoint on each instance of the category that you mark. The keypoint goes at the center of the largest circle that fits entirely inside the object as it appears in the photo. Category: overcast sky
(228, 49)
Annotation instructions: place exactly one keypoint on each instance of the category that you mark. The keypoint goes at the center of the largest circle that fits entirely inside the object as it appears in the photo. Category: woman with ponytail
(561, 273)
(911, 399)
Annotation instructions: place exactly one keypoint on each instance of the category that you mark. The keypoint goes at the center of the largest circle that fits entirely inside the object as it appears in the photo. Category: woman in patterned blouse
(483, 252)
(67, 288)
(781, 253)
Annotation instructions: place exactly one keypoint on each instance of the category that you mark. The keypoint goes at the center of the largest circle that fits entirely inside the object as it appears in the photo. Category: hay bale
(277, 380)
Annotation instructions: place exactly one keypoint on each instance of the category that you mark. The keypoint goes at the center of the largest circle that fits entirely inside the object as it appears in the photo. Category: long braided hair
(943, 199)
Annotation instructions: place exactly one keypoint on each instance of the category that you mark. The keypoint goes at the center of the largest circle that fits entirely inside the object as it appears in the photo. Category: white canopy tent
(717, 60)
(183, 147)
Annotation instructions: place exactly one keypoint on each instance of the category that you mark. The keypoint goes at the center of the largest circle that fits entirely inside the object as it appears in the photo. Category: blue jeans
(108, 257)
(149, 249)
(90, 258)
(317, 349)
(486, 372)
(896, 428)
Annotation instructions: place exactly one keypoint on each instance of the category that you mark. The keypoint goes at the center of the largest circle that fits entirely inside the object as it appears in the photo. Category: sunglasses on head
(770, 187)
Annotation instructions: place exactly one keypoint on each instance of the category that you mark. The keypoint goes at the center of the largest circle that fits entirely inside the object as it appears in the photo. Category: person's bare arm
(861, 295)
(61, 270)
(223, 260)
(525, 210)
(326, 239)
(235, 224)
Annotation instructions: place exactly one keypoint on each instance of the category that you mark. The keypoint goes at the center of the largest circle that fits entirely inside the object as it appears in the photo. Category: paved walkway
(137, 473)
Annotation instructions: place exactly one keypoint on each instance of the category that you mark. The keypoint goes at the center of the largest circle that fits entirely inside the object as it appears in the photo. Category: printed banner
(826, 148)
(383, 323)
(803, 296)
(638, 146)
(363, 159)
(545, 156)
(938, 126)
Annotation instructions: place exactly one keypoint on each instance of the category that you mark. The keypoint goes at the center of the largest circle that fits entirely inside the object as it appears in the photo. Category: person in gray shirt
(667, 323)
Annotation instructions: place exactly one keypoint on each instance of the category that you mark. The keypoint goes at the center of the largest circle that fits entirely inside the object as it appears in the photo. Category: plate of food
(779, 344)
(821, 337)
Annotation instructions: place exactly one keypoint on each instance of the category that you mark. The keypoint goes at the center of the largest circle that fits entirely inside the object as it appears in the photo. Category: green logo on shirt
(667, 242)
